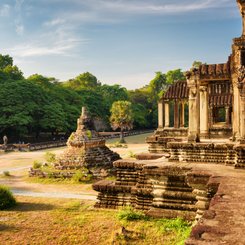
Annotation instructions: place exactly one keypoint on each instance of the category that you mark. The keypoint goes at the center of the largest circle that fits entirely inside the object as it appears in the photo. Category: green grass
(78, 222)
(7, 199)
(135, 139)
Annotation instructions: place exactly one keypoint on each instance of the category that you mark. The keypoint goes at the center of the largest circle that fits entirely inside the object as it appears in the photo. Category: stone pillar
(182, 115)
(227, 116)
(160, 114)
(236, 113)
(203, 112)
(194, 107)
(176, 114)
(242, 118)
(166, 114)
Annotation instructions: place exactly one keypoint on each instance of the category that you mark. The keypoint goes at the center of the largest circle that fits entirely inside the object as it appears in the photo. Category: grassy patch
(62, 221)
(128, 214)
(7, 199)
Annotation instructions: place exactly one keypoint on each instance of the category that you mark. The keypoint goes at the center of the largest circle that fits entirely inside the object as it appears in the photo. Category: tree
(7, 70)
(85, 80)
(174, 75)
(196, 64)
(121, 117)
(110, 94)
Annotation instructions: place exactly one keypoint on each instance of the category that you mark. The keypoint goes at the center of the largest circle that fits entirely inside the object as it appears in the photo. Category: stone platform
(160, 188)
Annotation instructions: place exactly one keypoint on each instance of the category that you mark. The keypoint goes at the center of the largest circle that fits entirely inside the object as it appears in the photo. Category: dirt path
(18, 163)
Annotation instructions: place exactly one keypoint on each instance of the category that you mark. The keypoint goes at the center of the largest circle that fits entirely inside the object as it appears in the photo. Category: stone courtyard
(198, 173)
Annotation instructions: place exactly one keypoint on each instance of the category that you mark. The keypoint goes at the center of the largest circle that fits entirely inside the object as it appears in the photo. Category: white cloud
(4, 10)
(19, 26)
(54, 22)
(58, 42)
(152, 7)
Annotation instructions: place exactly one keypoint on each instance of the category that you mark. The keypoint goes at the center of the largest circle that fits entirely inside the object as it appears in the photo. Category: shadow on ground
(28, 206)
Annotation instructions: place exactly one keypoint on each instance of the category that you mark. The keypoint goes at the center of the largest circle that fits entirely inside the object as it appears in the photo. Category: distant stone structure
(208, 109)
(87, 149)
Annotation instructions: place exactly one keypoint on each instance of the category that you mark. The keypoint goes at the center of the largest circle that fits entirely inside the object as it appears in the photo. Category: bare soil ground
(18, 163)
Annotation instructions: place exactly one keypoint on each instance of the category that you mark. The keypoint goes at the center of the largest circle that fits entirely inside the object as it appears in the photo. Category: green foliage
(131, 154)
(121, 115)
(196, 64)
(36, 165)
(85, 80)
(7, 199)
(119, 145)
(179, 226)
(50, 157)
(6, 173)
(82, 175)
(174, 75)
(89, 134)
(127, 213)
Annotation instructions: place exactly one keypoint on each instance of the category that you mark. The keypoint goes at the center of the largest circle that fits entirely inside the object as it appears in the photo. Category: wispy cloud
(113, 11)
(156, 7)
(54, 22)
(19, 26)
(4, 10)
(53, 43)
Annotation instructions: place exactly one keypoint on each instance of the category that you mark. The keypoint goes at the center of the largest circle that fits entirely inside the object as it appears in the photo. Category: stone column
(166, 114)
(242, 118)
(203, 111)
(236, 113)
(182, 114)
(227, 116)
(176, 114)
(160, 114)
(194, 107)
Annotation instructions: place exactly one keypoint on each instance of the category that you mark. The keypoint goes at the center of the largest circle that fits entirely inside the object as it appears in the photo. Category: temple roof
(221, 100)
(178, 90)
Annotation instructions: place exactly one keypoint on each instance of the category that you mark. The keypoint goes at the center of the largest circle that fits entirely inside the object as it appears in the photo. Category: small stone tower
(86, 149)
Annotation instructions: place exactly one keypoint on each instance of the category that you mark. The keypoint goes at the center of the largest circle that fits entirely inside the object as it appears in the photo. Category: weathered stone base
(159, 188)
(93, 157)
(226, 153)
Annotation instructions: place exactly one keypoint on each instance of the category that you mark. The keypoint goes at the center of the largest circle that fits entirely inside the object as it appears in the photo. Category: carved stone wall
(161, 190)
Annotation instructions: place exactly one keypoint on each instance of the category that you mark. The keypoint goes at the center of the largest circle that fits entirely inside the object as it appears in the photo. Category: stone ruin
(85, 149)
(158, 188)
(208, 126)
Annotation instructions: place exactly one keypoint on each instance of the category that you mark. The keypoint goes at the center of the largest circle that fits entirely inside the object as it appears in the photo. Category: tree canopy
(40, 104)
(121, 116)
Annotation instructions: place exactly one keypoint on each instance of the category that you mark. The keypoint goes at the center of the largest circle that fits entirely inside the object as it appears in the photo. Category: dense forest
(36, 105)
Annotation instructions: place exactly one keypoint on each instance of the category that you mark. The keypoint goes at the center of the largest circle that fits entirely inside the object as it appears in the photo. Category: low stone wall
(41, 174)
(32, 147)
(226, 153)
(160, 189)
(158, 144)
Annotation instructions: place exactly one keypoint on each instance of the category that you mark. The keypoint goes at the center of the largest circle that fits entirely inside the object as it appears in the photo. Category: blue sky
(119, 41)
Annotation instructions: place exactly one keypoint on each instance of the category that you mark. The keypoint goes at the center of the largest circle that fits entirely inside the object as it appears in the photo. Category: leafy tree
(83, 81)
(121, 117)
(110, 94)
(21, 106)
(196, 64)
(174, 75)
(5, 60)
(7, 70)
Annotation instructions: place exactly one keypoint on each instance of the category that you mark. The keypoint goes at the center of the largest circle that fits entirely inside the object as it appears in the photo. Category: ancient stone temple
(200, 120)
(86, 149)
(215, 96)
